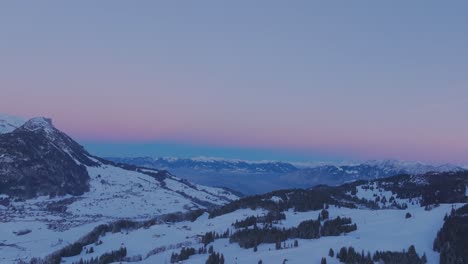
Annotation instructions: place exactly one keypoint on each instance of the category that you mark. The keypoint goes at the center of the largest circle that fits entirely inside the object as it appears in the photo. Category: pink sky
(317, 79)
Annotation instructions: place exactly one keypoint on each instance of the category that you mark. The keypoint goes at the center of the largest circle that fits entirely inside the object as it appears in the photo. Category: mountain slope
(37, 159)
(336, 175)
(129, 213)
(53, 188)
(388, 215)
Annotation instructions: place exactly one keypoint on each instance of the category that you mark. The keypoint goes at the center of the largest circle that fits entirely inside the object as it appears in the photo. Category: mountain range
(253, 177)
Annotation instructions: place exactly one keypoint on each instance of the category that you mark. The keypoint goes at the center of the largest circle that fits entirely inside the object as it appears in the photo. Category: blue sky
(165, 149)
(359, 80)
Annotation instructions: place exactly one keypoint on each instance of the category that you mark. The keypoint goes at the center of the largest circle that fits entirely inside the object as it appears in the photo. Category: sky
(301, 80)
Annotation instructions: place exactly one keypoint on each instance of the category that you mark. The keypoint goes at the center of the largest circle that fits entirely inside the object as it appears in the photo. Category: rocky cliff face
(37, 159)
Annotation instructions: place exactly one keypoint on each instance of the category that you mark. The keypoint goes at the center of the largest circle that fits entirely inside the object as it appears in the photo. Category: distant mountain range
(214, 164)
(263, 176)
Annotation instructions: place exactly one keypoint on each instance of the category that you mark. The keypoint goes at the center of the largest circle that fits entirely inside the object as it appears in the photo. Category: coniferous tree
(278, 245)
(323, 215)
(424, 258)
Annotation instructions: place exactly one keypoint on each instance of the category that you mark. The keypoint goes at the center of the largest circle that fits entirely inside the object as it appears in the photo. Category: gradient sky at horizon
(256, 79)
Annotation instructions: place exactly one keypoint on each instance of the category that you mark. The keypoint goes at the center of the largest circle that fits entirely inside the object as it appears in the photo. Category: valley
(136, 213)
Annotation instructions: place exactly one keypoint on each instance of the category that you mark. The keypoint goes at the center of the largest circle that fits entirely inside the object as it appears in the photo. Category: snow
(9, 123)
(388, 227)
(412, 167)
(276, 199)
(369, 194)
(43, 124)
(143, 241)
(40, 242)
(116, 192)
(371, 191)
(217, 191)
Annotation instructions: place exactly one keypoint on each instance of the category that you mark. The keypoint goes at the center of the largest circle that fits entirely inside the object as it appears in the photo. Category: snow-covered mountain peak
(40, 123)
(43, 125)
(411, 167)
(392, 162)
(8, 123)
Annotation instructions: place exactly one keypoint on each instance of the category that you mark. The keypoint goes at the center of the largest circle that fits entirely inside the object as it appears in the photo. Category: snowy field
(377, 230)
(121, 194)
(115, 194)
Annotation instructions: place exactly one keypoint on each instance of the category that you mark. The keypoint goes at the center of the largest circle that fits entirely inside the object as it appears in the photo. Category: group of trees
(270, 218)
(324, 214)
(300, 200)
(438, 188)
(351, 256)
(76, 248)
(408, 257)
(249, 238)
(309, 229)
(179, 217)
(249, 221)
(106, 258)
(337, 226)
(378, 202)
(215, 258)
(184, 254)
(209, 237)
(452, 238)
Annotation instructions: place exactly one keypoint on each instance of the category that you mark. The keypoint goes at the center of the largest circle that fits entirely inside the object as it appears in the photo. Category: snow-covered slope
(154, 214)
(390, 215)
(382, 230)
(27, 149)
(120, 193)
(52, 186)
